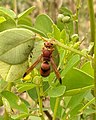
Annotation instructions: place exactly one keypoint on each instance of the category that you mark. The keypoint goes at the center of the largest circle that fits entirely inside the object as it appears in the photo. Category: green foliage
(15, 45)
(76, 78)
(7, 13)
(66, 21)
(21, 44)
(24, 18)
(14, 101)
(44, 24)
(26, 12)
(57, 91)
(52, 105)
(12, 72)
(25, 86)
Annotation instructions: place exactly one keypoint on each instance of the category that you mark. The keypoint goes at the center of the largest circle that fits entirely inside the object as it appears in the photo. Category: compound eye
(52, 44)
(45, 44)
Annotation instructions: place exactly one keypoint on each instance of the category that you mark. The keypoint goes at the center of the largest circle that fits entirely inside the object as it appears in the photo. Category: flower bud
(60, 17)
(74, 37)
(37, 80)
(66, 19)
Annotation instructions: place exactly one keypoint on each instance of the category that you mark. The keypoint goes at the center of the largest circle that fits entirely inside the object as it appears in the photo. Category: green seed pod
(66, 19)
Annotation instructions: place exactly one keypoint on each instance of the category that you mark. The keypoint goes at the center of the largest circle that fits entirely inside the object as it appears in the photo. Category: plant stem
(56, 42)
(15, 10)
(15, 6)
(56, 108)
(40, 93)
(6, 115)
(93, 39)
(87, 104)
(92, 22)
(92, 19)
(73, 50)
(77, 14)
(9, 86)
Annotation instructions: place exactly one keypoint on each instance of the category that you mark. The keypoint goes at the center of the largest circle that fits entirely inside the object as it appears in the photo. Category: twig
(15, 6)
(39, 92)
(78, 2)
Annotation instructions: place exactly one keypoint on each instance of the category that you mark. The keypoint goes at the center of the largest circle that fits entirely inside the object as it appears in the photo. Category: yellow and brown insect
(46, 58)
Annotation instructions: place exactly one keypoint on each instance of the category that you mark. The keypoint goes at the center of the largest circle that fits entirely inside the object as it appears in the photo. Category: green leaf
(2, 19)
(64, 36)
(70, 28)
(87, 67)
(89, 111)
(25, 101)
(78, 90)
(6, 105)
(12, 72)
(32, 29)
(19, 116)
(45, 85)
(26, 12)
(34, 118)
(25, 21)
(71, 63)
(57, 91)
(9, 16)
(56, 32)
(16, 45)
(76, 78)
(14, 101)
(25, 86)
(75, 100)
(74, 112)
(1, 117)
(3, 85)
(44, 24)
(7, 12)
(8, 24)
(65, 11)
(52, 105)
(33, 94)
(60, 25)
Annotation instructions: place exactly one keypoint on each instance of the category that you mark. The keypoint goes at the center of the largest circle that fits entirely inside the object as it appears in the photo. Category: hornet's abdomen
(45, 69)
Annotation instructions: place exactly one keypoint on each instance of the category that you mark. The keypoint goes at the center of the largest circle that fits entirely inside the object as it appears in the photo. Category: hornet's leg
(32, 66)
(55, 70)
